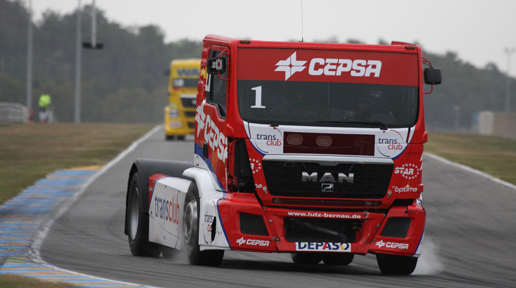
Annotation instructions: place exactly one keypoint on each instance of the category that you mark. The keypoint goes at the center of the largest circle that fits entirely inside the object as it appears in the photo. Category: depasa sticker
(323, 246)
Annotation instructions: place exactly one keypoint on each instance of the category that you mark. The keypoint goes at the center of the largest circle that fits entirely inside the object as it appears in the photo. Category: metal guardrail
(13, 113)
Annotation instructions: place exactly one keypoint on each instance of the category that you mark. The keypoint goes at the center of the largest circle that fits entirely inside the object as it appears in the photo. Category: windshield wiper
(377, 123)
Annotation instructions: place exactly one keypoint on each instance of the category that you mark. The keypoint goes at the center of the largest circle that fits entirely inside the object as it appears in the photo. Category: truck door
(211, 140)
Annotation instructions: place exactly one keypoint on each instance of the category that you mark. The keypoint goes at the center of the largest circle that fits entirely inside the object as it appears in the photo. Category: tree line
(124, 81)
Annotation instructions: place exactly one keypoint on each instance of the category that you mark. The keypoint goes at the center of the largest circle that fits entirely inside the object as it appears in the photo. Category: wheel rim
(134, 217)
(190, 220)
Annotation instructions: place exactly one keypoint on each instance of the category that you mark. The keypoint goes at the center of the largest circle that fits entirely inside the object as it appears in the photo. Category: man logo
(327, 177)
(327, 187)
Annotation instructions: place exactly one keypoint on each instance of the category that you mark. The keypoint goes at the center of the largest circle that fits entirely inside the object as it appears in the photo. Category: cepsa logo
(323, 246)
(215, 138)
(330, 67)
(252, 242)
(394, 245)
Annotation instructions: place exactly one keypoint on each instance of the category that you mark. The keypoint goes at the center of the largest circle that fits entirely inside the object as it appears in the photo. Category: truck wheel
(338, 259)
(395, 264)
(307, 258)
(139, 223)
(191, 232)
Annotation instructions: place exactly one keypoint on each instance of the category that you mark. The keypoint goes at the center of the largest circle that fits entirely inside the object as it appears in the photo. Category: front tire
(396, 264)
(191, 232)
(138, 222)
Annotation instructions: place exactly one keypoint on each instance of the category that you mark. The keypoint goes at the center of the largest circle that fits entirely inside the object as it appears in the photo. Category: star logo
(380, 244)
(240, 241)
(290, 66)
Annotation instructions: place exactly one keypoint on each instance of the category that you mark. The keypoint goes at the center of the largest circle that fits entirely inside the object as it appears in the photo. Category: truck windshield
(327, 103)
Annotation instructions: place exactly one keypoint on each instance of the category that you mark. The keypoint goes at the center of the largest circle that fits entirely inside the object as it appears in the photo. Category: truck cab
(313, 149)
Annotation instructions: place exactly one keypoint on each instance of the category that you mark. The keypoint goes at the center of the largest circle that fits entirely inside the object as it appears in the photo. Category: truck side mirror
(215, 65)
(166, 72)
(432, 76)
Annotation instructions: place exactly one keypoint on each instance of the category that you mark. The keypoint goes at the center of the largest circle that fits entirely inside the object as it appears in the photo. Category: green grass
(491, 155)
(29, 152)
(16, 281)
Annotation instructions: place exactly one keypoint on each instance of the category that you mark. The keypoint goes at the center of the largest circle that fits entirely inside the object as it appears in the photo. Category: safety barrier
(13, 113)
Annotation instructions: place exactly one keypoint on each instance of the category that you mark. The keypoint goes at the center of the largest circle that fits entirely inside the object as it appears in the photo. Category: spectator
(45, 107)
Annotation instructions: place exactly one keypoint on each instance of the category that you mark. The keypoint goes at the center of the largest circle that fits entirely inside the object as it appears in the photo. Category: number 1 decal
(257, 97)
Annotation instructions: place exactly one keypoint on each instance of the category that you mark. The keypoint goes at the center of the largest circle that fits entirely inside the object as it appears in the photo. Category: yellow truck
(180, 112)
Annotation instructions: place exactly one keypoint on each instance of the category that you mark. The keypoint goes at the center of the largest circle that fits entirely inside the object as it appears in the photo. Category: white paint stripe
(42, 234)
(469, 169)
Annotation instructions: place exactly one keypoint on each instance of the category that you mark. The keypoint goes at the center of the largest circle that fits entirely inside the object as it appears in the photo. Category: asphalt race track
(470, 238)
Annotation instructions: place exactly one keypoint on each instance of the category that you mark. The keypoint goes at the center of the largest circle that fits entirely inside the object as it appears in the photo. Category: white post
(93, 27)
(29, 60)
(78, 68)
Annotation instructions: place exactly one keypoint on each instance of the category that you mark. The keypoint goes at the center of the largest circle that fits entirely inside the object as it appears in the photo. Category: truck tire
(138, 220)
(191, 232)
(396, 264)
(307, 258)
(342, 259)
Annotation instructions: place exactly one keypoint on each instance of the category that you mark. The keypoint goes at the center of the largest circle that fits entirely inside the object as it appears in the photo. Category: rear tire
(138, 222)
(307, 258)
(191, 232)
(396, 264)
(342, 259)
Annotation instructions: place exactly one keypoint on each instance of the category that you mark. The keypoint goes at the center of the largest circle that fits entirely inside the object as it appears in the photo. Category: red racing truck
(312, 149)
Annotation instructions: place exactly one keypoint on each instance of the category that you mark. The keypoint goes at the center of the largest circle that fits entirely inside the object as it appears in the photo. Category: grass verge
(491, 155)
(29, 152)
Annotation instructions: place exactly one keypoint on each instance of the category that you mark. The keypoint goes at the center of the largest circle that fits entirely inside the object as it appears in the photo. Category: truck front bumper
(250, 227)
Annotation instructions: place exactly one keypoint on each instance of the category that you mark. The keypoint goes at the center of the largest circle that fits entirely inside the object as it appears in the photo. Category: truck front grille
(308, 179)
(188, 102)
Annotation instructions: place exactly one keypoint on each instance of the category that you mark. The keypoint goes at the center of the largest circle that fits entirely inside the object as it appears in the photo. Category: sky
(478, 31)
